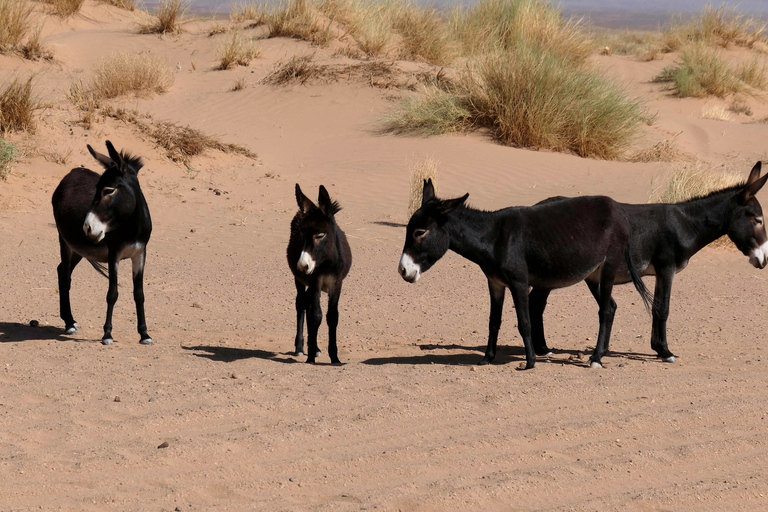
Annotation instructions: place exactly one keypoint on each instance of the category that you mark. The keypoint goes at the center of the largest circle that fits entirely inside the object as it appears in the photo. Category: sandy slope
(408, 423)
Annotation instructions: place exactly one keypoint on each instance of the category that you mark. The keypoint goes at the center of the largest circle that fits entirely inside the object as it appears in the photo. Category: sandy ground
(408, 422)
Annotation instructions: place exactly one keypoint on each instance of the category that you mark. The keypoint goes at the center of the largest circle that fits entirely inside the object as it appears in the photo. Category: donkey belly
(91, 252)
(551, 278)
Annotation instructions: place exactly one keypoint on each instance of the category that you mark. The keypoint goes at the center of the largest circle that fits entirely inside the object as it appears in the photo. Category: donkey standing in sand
(550, 245)
(666, 236)
(320, 258)
(103, 219)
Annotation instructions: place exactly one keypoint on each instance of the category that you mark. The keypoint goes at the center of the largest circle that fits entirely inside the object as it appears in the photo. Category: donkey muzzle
(94, 228)
(759, 256)
(409, 269)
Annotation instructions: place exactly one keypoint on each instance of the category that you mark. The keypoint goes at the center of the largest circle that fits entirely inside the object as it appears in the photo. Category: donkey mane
(334, 208)
(727, 190)
(135, 162)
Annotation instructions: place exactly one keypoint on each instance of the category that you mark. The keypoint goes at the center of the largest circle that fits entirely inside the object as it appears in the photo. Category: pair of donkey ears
(445, 206)
(324, 202)
(116, 159)
(753, 185)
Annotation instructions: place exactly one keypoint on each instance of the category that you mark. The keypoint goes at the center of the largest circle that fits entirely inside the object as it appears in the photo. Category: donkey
(103, 219)
(320, 258)
(666, 236)
(549, 246)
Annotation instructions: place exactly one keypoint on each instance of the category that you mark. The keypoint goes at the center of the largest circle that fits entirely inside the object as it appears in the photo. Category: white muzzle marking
(409, 269)
(306, 264)
(759, 256)
(94, 228)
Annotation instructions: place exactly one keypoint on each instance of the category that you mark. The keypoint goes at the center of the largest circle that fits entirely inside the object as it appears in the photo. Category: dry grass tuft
(433, 112)
(239, 84)
(169, 18)
(120, 74)
(716, 112)
(300, 19)
(249, 11)
(34, 49)
(718, 26)
(65, 8)
(299, 68)
(14, 23)
(8, 154)
(739, 106)
(423, 170)
(663, 151)
(128, 5)
(17, 106)
(237, 50)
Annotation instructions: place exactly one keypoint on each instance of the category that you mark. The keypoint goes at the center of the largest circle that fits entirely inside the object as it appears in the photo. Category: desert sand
(408, 422)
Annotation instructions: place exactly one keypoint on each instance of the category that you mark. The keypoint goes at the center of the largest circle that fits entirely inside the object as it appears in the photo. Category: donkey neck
(709, 216)
(471, 234)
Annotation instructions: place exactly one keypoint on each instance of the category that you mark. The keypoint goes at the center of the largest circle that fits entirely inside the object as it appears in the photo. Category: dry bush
(8, 154)
(237, 50)
(128, 5)
(300, 19)
(433, 112)
(169, 18)
(65, 8)
(14, 23)
(239, 84)
(753, 74)
(716, 112)
(663, 151)
(217, 29)
(424, 170)
(739, 106)
(249, 11)
(719, 26)
(17, 106)
(424, 35)
(34, 49)
(299, 68)
(120, 74)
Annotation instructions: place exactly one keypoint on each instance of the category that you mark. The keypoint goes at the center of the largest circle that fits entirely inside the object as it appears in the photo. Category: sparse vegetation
(65, 8)
(8, 154)
(715, 26)
(422, 170)
(716, 112)
(299, 68)
(34, 49)
(169, 18)
(663, 151)
(248, 11)
(239, 84)
(434, 112)
(128, 5)
(237, 50)
(300, 19)
(14, 23)
(141, 74)
(17, 106)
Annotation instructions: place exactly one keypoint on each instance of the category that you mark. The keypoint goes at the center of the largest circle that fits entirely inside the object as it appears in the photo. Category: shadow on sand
(15, 333)
(229, 355)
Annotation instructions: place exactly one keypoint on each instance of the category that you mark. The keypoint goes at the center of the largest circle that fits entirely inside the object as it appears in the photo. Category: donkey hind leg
(662, 296)
(314, 319)
(111, 299)
(519, 292)
(137, 264)
(497, 291)
(301, 308)
(69, 260)
(332, 318)
(537, 301)
(602, 293)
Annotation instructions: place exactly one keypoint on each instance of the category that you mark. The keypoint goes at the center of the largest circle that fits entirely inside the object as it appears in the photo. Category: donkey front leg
(301, 308)
(111, 298)
(137, 263)
(537, 301)
(662, 296)
(332, 318)
(69, 261)
(314, 319)
(519, 292)
(607, 314)
(497, 291)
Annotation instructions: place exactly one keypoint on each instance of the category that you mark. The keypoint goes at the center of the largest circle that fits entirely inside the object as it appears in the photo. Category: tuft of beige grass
(237, 50)
(18, 104)
(65, 8)
(299, 68)
(300, 19)
(120, 74)
(128, 5)
(169, 18)
(239, 84)
(14, 23)
(433, 112)
(663, 151)
(34, 49)
(422, 170)
(716, 112)
(715, 26)
(249, 11)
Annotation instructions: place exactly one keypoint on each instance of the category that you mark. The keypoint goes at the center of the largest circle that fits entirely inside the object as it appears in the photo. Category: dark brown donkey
(103, 219)
(320, 258)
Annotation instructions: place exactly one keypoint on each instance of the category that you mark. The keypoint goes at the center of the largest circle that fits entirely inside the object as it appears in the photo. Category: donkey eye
(420, 233)
(759, 221)
(319, 236)
(108, 191)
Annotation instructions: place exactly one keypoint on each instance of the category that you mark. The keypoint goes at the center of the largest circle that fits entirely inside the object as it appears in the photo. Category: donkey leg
(332, 318)
(69, 261)
(111, 299)
(314, 319)
(607, 314)
(662, 295)
(520, 295)
(301, 308)
(594, 288)
(137, 263)
(537, 301)
(497, 291)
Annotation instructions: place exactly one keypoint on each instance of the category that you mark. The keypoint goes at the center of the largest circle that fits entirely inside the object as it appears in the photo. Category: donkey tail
(100, 268)
(645, 294)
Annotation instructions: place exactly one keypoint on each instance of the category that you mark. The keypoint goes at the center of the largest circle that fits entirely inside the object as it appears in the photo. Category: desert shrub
(237, 50)
(169, 18)
(34, 49)
(128, 5)
(720, 26)
(183, 142)
(140, 74)
(299, 68)
(249, 11)
(14, 23)
(433, 112)
(65, 8)
(753, 73)
(423, 170)
(424, 34)
(300, 19)
(8, 154)
(663, 151)
(17, 106)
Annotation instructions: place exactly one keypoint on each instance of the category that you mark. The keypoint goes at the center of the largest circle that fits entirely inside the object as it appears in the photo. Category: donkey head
(426, 239)
(745, 226)
(115, 198)
(317, 229)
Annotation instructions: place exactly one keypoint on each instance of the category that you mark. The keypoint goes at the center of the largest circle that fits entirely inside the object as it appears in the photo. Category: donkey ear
(428, 193)
(449, 205)
(104, 160)
(755, 172)
(328, 207)
(750, 189)
(305, 204)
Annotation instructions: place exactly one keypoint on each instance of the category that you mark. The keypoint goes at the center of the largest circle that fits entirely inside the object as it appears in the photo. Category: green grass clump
(8, 154)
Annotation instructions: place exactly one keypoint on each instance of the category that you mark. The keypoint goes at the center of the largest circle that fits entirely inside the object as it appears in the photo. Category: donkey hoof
(318, 353)
(595, 364)
(72, 329)
(484, 361)
(147, 341)
(670, 359)
(548, 354)
(311, 361)
(298, 353)
(107, 341)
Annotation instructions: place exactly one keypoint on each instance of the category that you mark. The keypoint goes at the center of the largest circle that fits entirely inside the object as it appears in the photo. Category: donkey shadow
(230, 355)
(11, 332)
